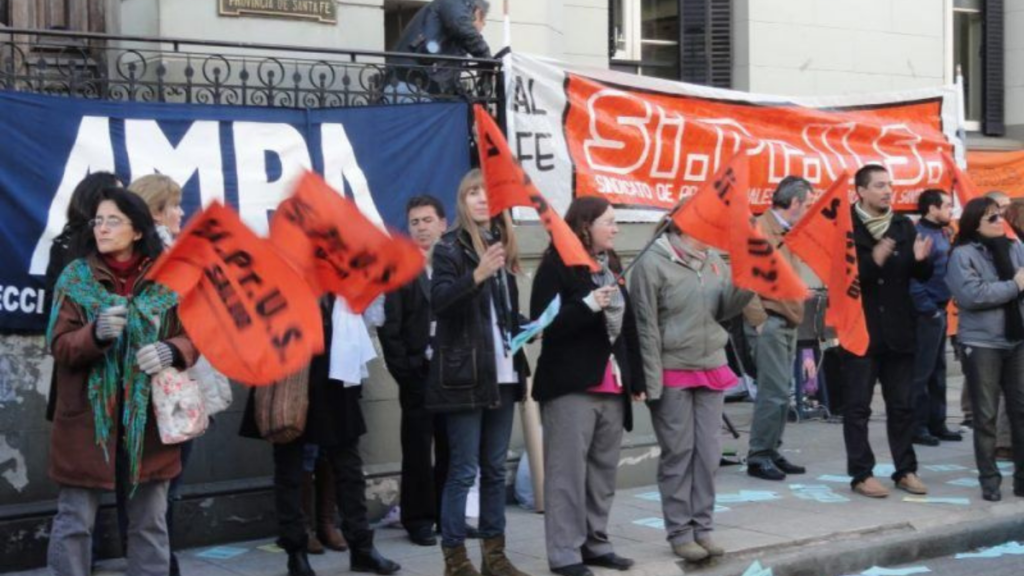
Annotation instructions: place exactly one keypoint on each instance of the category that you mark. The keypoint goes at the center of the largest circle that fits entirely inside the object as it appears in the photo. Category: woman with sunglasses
(986, 277)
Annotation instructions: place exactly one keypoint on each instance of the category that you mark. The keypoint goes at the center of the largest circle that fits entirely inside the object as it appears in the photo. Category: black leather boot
(298, 564)
(365, 558)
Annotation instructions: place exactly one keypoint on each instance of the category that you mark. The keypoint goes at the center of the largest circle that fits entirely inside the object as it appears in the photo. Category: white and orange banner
(644, 143)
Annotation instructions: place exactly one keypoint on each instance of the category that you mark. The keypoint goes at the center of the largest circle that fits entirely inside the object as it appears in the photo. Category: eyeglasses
(112, 222)
(993, 218)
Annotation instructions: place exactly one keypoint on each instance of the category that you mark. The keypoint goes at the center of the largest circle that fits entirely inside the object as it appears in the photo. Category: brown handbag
(281, 408)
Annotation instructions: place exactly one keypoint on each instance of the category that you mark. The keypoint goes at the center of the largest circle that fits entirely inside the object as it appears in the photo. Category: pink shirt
(608, 384)
(721, 378)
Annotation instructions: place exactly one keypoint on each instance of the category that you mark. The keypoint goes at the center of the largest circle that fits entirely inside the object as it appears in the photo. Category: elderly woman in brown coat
(111, 330)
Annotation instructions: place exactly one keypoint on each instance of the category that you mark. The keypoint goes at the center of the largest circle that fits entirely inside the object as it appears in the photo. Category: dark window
(688, 40)
(978, 58)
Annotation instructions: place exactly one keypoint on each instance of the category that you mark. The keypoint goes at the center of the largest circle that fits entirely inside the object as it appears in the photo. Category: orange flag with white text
(339, 249)
(823, 239)
(509, 186)
(719, 215)
(242, 304)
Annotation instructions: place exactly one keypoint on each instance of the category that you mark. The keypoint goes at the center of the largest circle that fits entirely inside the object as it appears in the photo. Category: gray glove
(110, 323)
(153, 358)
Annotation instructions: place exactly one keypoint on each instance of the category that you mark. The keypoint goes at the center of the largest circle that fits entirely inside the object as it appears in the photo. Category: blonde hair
(503, 222)
(158, 191)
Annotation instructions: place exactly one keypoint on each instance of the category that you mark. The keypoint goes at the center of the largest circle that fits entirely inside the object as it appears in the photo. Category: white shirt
(503, 363)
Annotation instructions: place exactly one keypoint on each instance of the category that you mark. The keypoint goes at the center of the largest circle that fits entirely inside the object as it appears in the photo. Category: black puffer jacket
(463, 374)
(441, 28)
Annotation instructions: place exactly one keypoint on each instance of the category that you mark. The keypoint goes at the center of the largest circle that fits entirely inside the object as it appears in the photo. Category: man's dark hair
(482, 5)
(425, 200)
(929, 198)
(863, 176)
(791, 188)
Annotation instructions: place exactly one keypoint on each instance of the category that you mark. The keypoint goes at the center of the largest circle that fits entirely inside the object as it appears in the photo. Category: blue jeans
(478, 439)
(930, 374)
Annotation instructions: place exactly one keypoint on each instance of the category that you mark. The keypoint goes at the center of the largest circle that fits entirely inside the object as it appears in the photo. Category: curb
(858, 552)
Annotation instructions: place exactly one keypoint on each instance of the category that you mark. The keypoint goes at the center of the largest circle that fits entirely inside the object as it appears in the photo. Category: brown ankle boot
(326, 504)
(313, 545)
(495, 563)
(456, 562)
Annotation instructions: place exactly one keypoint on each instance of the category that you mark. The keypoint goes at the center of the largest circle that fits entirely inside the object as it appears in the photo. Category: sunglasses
(993, 218)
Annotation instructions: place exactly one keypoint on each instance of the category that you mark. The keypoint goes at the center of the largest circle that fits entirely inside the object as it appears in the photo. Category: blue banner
(245, 157)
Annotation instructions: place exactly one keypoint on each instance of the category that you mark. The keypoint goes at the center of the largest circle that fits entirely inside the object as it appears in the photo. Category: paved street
(757, 520)
(1006, 565)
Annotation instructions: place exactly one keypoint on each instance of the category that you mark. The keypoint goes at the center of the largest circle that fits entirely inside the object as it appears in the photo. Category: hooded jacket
(981, 295)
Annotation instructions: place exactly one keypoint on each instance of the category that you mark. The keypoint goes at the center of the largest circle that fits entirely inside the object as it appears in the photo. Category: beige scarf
(877, 225)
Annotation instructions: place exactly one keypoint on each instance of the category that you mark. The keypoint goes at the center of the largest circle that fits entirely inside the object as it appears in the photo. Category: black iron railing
(134, 68)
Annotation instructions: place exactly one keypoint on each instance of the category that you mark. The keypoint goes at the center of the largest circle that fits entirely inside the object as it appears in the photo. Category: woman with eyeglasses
(111, 329)
(986, 278)
(588, 373)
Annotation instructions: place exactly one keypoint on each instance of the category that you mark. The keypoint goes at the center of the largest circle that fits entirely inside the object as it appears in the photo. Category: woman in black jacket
(588, 372)
(473, 376)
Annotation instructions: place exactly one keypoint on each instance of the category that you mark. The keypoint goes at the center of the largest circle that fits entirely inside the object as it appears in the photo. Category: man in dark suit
(405, 338)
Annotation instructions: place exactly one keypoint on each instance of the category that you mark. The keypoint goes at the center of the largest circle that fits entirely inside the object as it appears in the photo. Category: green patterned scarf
(148, 322)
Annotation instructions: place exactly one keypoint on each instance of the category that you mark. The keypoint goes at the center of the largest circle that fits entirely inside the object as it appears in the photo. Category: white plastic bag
(216, 387)
(178, 404)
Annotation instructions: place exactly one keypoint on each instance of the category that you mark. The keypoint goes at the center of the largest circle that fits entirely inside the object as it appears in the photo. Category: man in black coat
(405, 339)
(889, 254)
(441, 28)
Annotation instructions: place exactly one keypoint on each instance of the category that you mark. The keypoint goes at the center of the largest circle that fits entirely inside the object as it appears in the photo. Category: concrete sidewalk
(804, 517)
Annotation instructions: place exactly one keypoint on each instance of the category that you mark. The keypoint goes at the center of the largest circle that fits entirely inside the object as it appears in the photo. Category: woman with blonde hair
(163, 196)
(474, 377)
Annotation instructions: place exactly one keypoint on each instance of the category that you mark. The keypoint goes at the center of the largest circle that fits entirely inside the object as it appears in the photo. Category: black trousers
(991, 372)
(930, 374)
(350, 487)
(895, 371)
(424, 463)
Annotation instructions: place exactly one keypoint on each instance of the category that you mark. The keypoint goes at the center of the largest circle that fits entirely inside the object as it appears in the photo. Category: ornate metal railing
(133, 68)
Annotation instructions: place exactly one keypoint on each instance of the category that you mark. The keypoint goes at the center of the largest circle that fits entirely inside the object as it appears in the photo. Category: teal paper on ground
(222, 553)
(1011, 548)
(747, 496)
(965, 482)
(757, 570)
(879, 571)
(653, 522)
(818, 493)
(538, 325)
(936, 500)
(884, 470)
(946, 467)
(838, 479)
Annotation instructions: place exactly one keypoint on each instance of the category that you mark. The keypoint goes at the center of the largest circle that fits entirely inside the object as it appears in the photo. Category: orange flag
(244, 306)
(340, 250)
(509, 186)
(719, 215)
(823, 239)
(966, 190)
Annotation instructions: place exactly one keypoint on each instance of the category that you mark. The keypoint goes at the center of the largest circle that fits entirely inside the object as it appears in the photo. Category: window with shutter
(706, 48)
(993, 117)
(78, 15)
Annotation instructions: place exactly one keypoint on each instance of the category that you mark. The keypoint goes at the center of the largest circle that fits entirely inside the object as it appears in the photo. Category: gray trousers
(582, 438)
(688, 424)
(70, 550)
(774, 354)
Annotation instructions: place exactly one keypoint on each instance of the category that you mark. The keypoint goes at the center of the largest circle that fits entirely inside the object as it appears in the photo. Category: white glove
(153, 358)
(110, 323)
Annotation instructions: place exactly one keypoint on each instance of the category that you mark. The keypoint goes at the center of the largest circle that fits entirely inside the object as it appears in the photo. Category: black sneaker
(573, 570)
(610, 560)
(947, 435)
(423, 537)
(926, 440)
(788, 467)
(765, 470)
